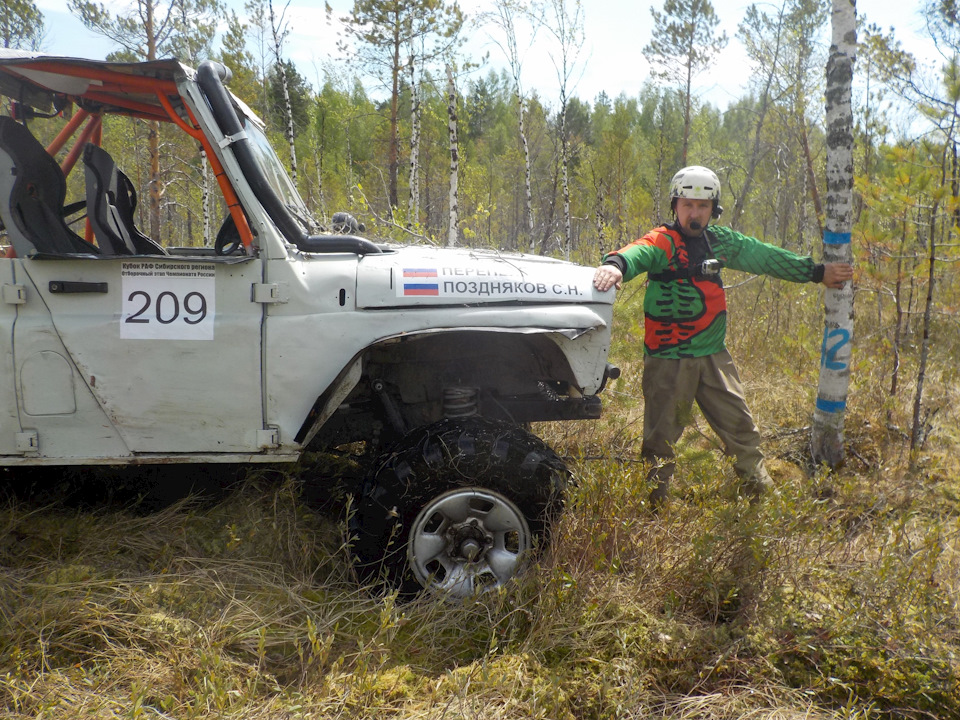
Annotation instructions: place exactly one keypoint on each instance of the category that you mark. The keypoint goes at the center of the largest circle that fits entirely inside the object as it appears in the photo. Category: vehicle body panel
(9, 417)
(193, 357)
(157, 373)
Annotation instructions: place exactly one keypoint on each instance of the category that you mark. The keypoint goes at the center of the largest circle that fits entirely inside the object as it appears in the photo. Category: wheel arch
(418, 365)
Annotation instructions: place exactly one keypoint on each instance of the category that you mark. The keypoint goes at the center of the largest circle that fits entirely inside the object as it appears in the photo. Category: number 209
(166, 308)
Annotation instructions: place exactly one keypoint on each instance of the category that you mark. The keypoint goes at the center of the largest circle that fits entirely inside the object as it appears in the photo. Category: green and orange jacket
(685, 312)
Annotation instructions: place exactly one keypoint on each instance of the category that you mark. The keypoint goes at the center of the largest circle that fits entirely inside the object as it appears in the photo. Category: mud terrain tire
(456, 507)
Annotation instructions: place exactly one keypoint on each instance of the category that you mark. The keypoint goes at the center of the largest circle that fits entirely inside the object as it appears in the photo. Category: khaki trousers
(669, 389)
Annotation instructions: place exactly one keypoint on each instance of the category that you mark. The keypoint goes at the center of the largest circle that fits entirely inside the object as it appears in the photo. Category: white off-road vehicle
(118, 350)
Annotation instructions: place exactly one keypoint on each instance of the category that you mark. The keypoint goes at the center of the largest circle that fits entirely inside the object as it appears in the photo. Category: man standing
(685, 315)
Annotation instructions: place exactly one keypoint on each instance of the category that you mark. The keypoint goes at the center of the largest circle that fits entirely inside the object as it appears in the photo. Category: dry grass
(836, 598)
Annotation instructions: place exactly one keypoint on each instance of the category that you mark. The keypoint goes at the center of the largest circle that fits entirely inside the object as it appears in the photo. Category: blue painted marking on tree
(835, 238)
(828, 353)
(831, 406)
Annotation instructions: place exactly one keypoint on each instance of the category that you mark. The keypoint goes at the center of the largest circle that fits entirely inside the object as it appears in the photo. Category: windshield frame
(276, 175)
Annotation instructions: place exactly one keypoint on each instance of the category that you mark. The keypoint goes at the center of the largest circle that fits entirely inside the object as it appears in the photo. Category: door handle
(74, 286)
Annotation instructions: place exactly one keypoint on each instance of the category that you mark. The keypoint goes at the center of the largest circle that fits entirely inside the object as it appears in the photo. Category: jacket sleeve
(651, 253)
(754, 256)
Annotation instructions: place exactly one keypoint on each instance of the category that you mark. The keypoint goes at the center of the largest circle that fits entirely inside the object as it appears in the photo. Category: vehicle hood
(414, 276)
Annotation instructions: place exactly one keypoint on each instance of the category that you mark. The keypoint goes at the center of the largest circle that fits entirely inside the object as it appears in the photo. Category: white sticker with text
(168, 301)
(489, 281)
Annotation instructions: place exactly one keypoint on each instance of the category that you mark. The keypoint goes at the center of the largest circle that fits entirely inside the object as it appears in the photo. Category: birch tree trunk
(413, 207)
(528, 182)
(454, 158)
(279, 30)
(206, 195)
(565, 167)
(318, 164)
(393, 153)
(766, 62)
(505, 15)
(153, 133)
(827, 437)
(567, 26)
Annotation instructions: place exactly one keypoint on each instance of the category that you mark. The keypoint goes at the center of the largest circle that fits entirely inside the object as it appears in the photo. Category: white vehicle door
(9, 421)
(169, 348)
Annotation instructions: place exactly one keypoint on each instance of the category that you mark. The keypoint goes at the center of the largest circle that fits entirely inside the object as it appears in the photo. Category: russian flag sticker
(420, 281)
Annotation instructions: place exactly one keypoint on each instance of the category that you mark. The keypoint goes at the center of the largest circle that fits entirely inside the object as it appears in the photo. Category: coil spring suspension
(460, 401)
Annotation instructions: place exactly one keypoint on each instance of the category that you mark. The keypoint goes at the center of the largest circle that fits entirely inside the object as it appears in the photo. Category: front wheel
(457, 507)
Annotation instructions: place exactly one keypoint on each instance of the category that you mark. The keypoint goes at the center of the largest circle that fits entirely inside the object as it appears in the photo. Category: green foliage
(152, 29)
(234, 55)
(299, 93)
(685, 39)
(21, 24)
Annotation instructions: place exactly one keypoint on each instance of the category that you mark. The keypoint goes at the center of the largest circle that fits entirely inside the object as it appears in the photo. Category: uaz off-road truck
(118, 350)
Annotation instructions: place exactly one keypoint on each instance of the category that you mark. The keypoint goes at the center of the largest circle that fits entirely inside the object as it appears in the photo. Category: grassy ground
(837, 597)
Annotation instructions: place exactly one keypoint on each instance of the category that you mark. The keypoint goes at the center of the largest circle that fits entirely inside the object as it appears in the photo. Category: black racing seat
(111, 202)
(32, 192)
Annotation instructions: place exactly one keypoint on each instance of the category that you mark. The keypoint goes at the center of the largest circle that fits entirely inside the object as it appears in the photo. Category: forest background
(837, 598)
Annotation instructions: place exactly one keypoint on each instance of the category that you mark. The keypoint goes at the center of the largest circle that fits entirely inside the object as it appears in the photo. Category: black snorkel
(210, 78)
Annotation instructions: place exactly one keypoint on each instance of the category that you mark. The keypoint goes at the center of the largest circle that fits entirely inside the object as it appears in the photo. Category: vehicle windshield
(276, 175)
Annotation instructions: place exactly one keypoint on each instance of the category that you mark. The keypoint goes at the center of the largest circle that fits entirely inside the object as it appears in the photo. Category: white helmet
(696, 182)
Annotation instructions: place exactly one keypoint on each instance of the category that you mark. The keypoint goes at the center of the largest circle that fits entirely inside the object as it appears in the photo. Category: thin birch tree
(279, 30)
(836, 350)
(566, 24)
(413, 204)
(504, 16)
(763, 38)
(386, 30)
(452, 197)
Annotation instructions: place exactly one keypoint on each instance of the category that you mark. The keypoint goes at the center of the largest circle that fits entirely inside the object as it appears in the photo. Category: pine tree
(685, 43)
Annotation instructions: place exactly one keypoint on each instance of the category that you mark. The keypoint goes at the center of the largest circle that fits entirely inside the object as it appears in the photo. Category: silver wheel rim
(466, 541)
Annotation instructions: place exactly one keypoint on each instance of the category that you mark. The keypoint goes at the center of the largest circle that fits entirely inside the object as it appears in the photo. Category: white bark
(504, 16)
(828, 417)
(452, 233)
(205, 198)
(413, 207)
(318, 164)
(565, 167)
(279, 35)
(567, 26)
(527, 173)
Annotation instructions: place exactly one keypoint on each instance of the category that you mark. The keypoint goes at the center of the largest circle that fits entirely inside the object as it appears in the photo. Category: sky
(610, 61)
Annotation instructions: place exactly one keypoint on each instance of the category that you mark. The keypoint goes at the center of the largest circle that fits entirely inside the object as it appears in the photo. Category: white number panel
(168, 301)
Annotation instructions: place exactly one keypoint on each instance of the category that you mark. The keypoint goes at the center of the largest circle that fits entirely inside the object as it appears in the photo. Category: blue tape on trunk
(831, 406)
(835, 238)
